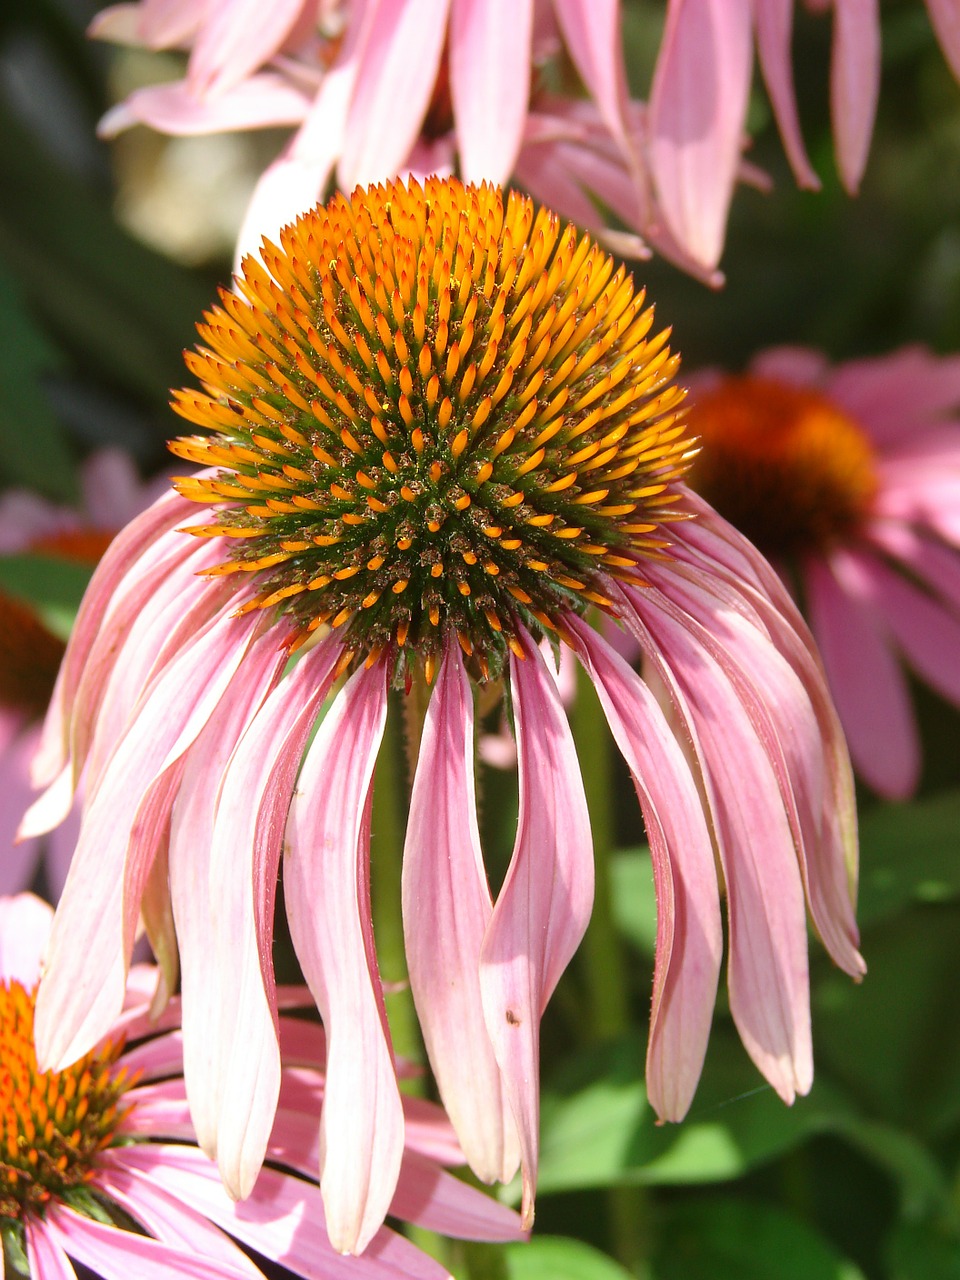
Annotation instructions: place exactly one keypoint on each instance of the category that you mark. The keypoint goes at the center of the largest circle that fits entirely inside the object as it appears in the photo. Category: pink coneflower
(418, 87)
(108, 1139)
(440, 428)
(30, 652)
(849, 477)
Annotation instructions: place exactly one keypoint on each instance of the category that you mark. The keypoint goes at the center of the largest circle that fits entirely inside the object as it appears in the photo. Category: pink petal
(168, 1218)
(591, 32)
(892, 396)
(698, 105)
(47, 1260)
(83, 986)
(545, 902)
(923, 627)
(126, 548)
(247, 839)
(437, 1201)
(854, 84)
(25, 922)
(774, 32)
(867, 684)
(945, 17)
(395, 79)
(263, 101)
(327, 895)
(283, 1221)
(768, 979)
(446, 910)
(235, 38)
(205, 906)
(116, 1254)
(489, 83)
(689, 931)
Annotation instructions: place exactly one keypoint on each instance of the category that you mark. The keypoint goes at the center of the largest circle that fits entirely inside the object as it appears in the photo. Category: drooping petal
(395, 79)
(244, 860)
(489, 83)
(544, 905)
(126, 548)
(698, 104)
(235, 38)
(774, 20)
(767, 656)
(326, 889)
(446, 910)
(854, 84)
(768, 977)
(592, 34)
(869, 688)
(204, 908)
(689, 930)
(83, 986)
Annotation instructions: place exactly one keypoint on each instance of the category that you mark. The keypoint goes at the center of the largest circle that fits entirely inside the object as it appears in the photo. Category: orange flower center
(784, 465)
(52, 1123)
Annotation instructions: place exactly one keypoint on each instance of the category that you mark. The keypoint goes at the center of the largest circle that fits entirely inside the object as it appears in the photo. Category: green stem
(603, 960)
(602, 950)
(386, 854)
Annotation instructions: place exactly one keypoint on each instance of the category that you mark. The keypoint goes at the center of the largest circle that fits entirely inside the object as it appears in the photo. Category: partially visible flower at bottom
(848, 477)
(438, 433)
(30, 653)
(99, 1162)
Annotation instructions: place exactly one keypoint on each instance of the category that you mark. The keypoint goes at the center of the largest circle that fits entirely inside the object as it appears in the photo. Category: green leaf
(894, 1040)
(597, 1128)
(558, 1258)
(53, 587)
(740, 1240)
(923, 1251)
(908, 854)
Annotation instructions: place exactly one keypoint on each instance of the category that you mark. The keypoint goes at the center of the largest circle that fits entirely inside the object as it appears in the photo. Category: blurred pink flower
(383, 88)
(111, 494)
(700, 93)
(849, 477)
(109, 1138)
(425, 498)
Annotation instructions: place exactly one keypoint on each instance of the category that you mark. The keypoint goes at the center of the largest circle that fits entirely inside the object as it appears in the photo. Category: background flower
(109, 1138)
(849, 476)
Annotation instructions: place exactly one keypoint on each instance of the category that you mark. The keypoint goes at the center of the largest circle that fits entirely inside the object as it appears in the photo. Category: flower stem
(386, 854)
(602, 953)
(602, 949)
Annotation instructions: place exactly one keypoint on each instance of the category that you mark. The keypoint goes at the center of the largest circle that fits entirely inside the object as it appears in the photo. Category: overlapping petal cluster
(394, 87)
(30, 653)
(391, 87)
(108, 1139)
(848, 476)
(440, 432)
